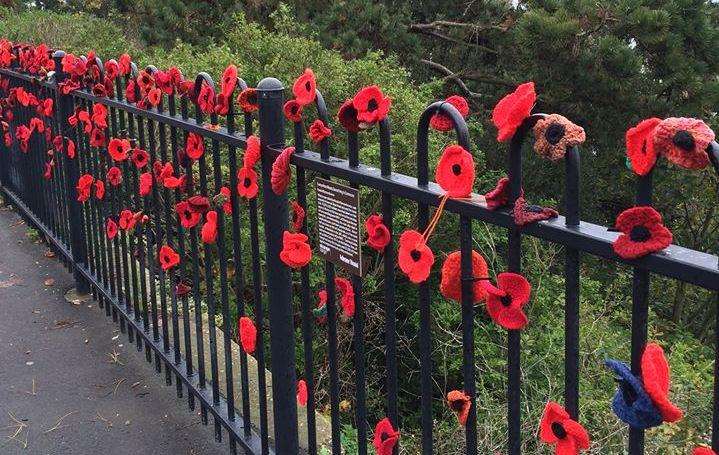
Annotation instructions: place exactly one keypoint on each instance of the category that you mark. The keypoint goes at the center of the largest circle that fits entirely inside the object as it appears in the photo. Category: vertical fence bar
(571, 287)
(713, 152)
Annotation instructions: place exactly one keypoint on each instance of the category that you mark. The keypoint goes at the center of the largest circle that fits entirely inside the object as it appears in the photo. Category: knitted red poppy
(378, 235)
(684, 141)
(188, 217)
(110, 228)
(347, 116)
(302, 392)
(296, 252)
(319, 131)
(510, 111)
(281, 171)
(224, 198)
(640, 145)
(455, 171)
(70, 149)
(385, 437)
(703, 451)
(305, 87)
(118, 148)
(168, 258)
(451, 284)
(206, 99)
(182, 288)
(525, 214)
(229, 80)
(247, 183)
(642, 233)
(128, 220)
(199, 203)
(252, 153)
(154, 96)
(505, 302)
(145, 183)
(298, 216)
(441, 122)
(371, 104)
(194, 146)
(499, 196)
(460, 403)
(347, 297)
(248, 334)
(558, 429)
(293, 111)
(656, 379)
(247, 99)
(140, 158)
(414, 256)
(99, 189)
(84, 185)
(209, 229)
(97, 138)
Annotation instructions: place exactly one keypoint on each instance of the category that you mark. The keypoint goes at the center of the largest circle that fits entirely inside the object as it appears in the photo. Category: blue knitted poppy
(631, 403)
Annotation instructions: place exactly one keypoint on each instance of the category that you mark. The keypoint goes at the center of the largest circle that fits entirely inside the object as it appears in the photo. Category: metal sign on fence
(338, 223)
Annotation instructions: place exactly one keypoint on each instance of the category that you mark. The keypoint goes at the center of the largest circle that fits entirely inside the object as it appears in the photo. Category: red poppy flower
(321, 311)
(37, 124)
(385, 437)
(225, 197)
(128, 219)
(194, 146)
(84, 184)
(302, 392)
(347, 116)
(414, 257)
(558, 429)
(525, 213)
(510, 111)
(110, 228)
(45, 107)
(182, 288)
(281, 171)
(130, 91)
(168, 258)
(145, 183)
(455, 171)
(146, 81)
(154, 96)
(640, 145)
(451, 284)
(347, 297)
(293, 111)
(162, 171)
(642, 233)
(112, 69)
(441, 122)
(97, 138)
(229, 80)
(140, 158)
(684, 141)
(505, 302)
(198, 203)
(99, 115)
(703, 451)
(114, 176)
(247, 183)
(118, 148)
(209, 229)
(296, 252)
(460, 403)
(222, 104)
(499, 196)
(378, 235)
(188, 217)
(49, 166)
(206, 99)
(318, 131)
(656, 379)
(298, 216)
(124, 64)
(99, 189)
(371, 104)
(247, 99)
(248, 334)
(305, 87)
(252, 153)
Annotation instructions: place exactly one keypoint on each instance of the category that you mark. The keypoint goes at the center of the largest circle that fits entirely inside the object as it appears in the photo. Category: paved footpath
(69, 381)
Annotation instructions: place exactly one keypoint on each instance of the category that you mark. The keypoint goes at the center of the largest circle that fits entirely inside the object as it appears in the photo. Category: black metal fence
(239, 273)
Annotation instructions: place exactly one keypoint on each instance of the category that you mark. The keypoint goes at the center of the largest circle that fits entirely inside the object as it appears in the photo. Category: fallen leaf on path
(50, 282)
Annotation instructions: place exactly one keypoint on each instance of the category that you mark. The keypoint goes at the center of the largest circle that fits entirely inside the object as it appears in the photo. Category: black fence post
(78, 245)
(279, 278)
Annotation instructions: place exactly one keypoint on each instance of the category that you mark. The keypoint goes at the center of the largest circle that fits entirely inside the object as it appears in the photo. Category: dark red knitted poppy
(371, 104)
(684, 141)
(296, 252)
(145, 183)
(505, 302)
(347, 297)
(209, 229)
(319, 131)
(385, 437)
(229, 80)
(154, 96)
(206, 99)
(140, 158)
(566, 435)
(499, 196)
(168, 258)
(247, 99)
(525, 214)
(378, 235)
(188, 217)
(199, 203)
(460, 403)
(70, 149)
(253, 151)
(640, 145)
(455, 171)
(110, 228)
(118, 148)
(281, 171)
(347, 116)
(510, 111)
(703, 451)
(128, 220)
(293, 111)
(247, 183)
(298, 216)
(642, 231)
(84, 185)
(441, 122)
(182, 288)
(97, 138)
(248, 334)
(415, 257)
(302, 392)
(656, 380)
(305, 87)
(451, 284)
(99, 189)
(194, 146)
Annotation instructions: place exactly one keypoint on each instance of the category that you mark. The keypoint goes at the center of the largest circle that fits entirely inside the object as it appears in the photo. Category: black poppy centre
(558, 430)
(684, 140)
(640, 234)
(554, 133)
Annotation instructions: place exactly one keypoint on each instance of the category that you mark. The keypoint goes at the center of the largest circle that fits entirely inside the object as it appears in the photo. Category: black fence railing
(170, 309)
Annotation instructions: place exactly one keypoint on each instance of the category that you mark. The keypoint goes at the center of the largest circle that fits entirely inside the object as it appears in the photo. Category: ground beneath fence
(69, 381)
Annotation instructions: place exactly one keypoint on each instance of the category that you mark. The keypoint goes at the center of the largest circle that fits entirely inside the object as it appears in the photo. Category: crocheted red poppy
(347, 116)
(224, 198)
(194, 146)
(305, 87)
(128, 219)
(247, 183)
(188, 217)
(247, 99)
(451, 284)
(455, 171)
(154, 96)
(248, 334)
(460, 403)
(281, 171)
(298, 216)
(302, 392)
(499, 196)
(414, 257)
(206, 99)
(145, 183)
(385, 437)
(510, 111)
(525, 214)
(642, 233)
(293, 111)
(319, 132)
(378, 235)
(209, 229)
(347, 297)
(296, 252)
(182, 288)
(140, 158)
(505, 302)
(371, 104)
(199, 203)
(168, 258)
(640, 145)
(110, 228)
(229, 80)
(99, 189)
(684, 141)
(252, 153)
(70, 149)
(97, 138)
(703, 451)
(441, 122)
(554, 134)
(558, 429)
(84, 185)
(118, 148)
(656, 379)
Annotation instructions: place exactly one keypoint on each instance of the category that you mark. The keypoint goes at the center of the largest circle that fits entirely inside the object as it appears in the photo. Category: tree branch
(442, 36)
(451, 75)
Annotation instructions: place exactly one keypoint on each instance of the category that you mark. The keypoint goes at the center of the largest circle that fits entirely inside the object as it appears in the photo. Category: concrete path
(69, 381)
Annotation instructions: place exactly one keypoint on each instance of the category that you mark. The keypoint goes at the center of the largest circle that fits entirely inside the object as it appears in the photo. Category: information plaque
(338, 225)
